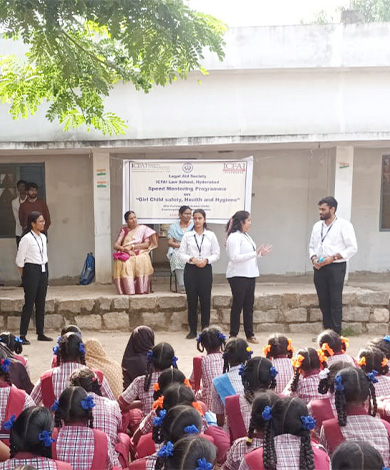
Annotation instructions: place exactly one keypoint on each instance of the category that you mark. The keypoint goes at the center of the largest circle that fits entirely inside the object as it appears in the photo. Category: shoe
(253, 340)
(25, 341)
(44, 338)
(191, 335)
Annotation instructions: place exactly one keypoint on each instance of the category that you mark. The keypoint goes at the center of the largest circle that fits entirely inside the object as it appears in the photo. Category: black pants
(329, 282)
(35, 288)
(243, 292)
(198, 282)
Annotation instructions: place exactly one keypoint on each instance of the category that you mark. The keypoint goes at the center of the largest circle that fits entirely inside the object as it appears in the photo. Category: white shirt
(199, 246)
(32, 249)
(241, 250)
(328, 240)
(15, 209)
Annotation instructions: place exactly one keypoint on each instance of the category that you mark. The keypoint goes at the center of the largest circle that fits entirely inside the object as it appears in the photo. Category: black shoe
(25, 341)
(44, 338)
(191, 335)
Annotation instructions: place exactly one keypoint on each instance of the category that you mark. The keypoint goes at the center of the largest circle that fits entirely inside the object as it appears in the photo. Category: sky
(267, 12)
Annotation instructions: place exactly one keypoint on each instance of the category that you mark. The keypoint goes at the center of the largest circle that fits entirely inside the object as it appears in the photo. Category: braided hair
(236, 352)
(69, 408)
(176, 421)
(86, 379)
(166, 378)
(187, 454)
(4, 373)
(212, 340)
(257, 376)
(333, 340)
(278, 345)
(381, 343)
(352, 385)
(373, 359)
(26, 429)
(326, 385)
(257, 422)
(159, 359)
(310, 362)
(10, 341)
(356, 454)
(70, 349)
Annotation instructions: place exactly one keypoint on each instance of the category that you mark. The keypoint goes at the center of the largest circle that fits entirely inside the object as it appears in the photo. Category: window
(10, 173)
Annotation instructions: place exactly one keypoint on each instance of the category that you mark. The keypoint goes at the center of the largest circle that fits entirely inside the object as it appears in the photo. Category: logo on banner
(234, 167)
(187, 167)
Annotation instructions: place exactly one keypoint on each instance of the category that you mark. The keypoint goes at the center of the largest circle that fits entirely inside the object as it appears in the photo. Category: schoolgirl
(66, 329)
(334, 347)
(30, 441)
(352, 389)
(382, 343)
(15, 345)
(254, 439)
(373, 360)
(279, 350)
(351, 455)
(75, 441)
(305, 381)
(70, 354)
(258, 374)
(206, 368)
(287, 441)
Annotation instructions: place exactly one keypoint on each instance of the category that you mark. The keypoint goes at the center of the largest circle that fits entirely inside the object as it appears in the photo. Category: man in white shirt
(332, 244)
(22, 196)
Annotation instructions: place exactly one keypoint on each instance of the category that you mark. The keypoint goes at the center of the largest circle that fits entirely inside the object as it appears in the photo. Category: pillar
(344, 180)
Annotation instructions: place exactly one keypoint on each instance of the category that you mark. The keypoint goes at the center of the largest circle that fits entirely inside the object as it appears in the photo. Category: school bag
(88, 273)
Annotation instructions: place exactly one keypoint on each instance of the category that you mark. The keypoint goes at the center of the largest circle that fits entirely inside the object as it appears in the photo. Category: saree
(177, 233)
(134, 275)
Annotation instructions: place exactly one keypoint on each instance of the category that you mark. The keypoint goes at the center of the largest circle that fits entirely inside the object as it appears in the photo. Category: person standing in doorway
(33, 204)
(242, 272)
(199, 248)
(22, 196)
(31, 260)
(332, 244)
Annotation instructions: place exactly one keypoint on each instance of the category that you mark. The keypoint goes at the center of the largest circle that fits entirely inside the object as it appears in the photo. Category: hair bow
(338, 383)
(55, 405)
(174, 361)
(199, 338)
(55, 350)
(8, 424)
(159, 403)
(192, 429)
(384, 362)
(5, 364)
(87, 403)
(371, 376)
(187, 383)
(198, 407)
(82, 348)
(327, 348)
(249, 351)
(289, 345)
(345, 341)
(45, 436)
(321, 355)
(362, 361)
(204, 465)
(387, 338)
(241, 370)
(267, 349)
(266, 414)
(18, 339)
(149, 355)
(166, 451)
(59, 339)
(158, 420)
(221, 336)
(297, 361)
(273, 372)
(156, 387)
(308, 422)
(324, 374)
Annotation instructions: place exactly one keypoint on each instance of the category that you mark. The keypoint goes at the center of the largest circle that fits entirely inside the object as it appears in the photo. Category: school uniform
(136, 391)
(307, 388)
(322, 410)
(211, 367)
(238, 451)
(6, 393)
(337, 357)
(41, 463)
(382, 387)
(232, 386)
(285, 372)
(238, 412)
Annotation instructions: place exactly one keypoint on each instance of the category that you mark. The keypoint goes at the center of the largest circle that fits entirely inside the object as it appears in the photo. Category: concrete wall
(70, 200)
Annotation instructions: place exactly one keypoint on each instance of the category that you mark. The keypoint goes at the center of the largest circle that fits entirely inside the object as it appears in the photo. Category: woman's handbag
(121, 256)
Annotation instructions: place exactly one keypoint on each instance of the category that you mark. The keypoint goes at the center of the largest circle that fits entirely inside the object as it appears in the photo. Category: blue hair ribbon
(45, 436)
(158, 420)
(241, 370)
(371, 376)
(199, 338)
(55, 405)
(221, 336)
(87, 403)
(18, 339)
(59, 339)
(166, 451)
(174, 361)
(204, 465)
(55, 350)
(338, 383)
(8, 424)
(273, 372)
(82, 348)
(5, 364)
(387, 338)
(191, 429)
(149, 355)
(308, 422)
(266, 414)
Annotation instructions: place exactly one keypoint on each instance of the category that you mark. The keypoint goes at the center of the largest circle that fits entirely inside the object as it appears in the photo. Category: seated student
(287, 441)
(71, 355)
(352, 455)
(18, 372)
(206, 368)
(66, 329)
(257, 375)
(254, 439)
(15, 345)
(305, 381)
(373, 360)
(352, 389)
(382, 343)
(334, 347)
(75, 442)
(30, 441)
(237, 352)
(279, 350)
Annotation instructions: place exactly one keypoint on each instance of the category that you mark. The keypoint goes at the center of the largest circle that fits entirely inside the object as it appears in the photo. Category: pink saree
(133, 276)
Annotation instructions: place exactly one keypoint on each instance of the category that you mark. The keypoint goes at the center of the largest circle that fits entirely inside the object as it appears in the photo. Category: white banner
(155, 189)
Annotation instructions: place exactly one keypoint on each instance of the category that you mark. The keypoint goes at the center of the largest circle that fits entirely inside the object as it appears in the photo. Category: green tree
(372, 10)
(78, 49)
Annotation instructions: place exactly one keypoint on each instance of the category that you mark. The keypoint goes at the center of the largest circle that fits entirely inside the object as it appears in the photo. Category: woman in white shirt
(31, 260)
(242, 272)
(199, 248)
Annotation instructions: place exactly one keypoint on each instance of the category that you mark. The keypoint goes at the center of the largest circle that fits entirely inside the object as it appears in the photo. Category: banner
(156, 189)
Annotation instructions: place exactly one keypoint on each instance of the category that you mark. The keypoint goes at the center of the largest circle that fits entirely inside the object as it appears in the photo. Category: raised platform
(289, 306)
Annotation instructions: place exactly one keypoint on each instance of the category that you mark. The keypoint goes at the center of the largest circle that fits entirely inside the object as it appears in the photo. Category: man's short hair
(31, 185)
(330, 201)
(21, 182)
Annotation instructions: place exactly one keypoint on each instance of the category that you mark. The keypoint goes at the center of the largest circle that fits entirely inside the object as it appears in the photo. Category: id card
(43, 268)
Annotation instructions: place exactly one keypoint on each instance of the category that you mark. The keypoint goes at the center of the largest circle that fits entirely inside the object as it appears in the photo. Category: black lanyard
(250, 241)
(322, 231)
(201, 243)
(39, 246)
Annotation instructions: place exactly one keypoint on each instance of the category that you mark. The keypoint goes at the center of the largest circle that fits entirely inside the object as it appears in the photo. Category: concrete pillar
(102, 216)
(344, 180)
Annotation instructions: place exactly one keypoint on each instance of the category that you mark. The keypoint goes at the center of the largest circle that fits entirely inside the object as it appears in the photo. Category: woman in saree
(175, 235)
(132, 264)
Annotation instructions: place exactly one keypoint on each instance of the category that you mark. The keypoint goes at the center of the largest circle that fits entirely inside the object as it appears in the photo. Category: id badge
(43, 268)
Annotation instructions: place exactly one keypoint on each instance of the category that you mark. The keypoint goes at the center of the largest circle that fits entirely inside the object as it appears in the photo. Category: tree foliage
(79, 49)
(372, 10)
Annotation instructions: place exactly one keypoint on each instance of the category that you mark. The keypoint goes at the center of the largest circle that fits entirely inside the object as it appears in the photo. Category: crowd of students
(239, 410)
